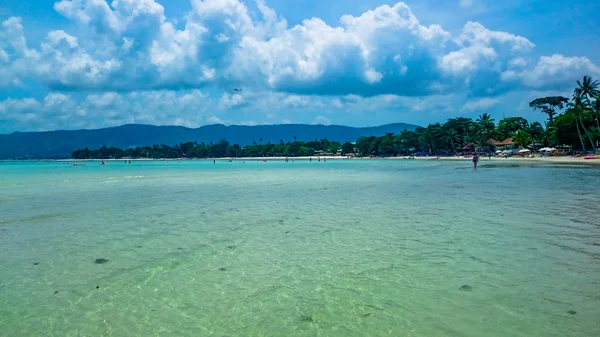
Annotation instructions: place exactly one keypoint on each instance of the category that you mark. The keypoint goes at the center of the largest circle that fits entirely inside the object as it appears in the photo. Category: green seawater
(336, 248)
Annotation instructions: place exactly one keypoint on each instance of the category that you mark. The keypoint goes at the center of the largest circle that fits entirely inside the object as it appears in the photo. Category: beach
(550, 160)
(569, 160)
(336, 248)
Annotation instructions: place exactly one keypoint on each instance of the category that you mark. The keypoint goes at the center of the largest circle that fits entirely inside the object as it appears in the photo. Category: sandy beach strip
(542, 160)
(538, 160)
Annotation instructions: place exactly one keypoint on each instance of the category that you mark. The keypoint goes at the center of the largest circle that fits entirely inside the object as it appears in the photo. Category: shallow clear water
(342, 248)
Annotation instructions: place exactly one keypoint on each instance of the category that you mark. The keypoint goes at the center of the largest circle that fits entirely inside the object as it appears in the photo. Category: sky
(73, 64)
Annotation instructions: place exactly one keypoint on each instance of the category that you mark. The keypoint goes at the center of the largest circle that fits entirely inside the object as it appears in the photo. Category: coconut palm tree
(535, 130)
(581, 110)
(596, 113)
(485, 128)
(485, 119)
(523, 138)
(548, 137)
(588, 88)
(452, 136)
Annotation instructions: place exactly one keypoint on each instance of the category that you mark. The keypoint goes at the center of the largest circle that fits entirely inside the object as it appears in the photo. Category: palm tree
(549, 135)
(452, 136)
(588, 88)
(523, 138)
(581, 109)
(485, 119)
(596, 113)
(485, 124)
(535, 131)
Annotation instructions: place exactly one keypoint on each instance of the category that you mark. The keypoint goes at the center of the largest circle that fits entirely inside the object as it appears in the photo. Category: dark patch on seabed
(465, 287)
(306, 319)
(100, 261)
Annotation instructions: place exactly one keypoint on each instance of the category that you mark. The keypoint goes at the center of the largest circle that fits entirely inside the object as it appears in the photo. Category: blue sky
(91, 63)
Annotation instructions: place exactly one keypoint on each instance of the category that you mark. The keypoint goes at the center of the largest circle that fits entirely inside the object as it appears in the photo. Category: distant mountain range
(60, 144)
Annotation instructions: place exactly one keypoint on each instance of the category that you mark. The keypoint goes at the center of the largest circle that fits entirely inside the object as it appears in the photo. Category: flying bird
(237, 89)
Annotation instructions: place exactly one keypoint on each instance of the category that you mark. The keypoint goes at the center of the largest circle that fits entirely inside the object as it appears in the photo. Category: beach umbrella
(499, 151)
(524, 150)
(544, 149)
(552, 149)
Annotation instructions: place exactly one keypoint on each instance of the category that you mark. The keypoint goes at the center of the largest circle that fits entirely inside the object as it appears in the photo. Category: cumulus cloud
(67, 111)
(125, 56)
(229, 101)
(15, 57)
(130, 45)
(556, 71)
(480, 104)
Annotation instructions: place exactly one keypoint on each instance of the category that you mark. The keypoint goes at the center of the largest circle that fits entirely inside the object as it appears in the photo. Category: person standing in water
(475, 160)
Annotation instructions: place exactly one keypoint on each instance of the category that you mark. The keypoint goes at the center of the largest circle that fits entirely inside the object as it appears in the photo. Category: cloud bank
(128, 50)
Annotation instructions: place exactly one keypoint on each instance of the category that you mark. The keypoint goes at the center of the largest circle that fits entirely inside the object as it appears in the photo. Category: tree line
(574, 122)
(220, 149)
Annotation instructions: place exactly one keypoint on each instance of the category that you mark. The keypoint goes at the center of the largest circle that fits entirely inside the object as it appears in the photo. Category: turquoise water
(342, 248)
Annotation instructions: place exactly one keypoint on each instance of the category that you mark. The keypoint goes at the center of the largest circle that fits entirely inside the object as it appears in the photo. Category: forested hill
(60, 144)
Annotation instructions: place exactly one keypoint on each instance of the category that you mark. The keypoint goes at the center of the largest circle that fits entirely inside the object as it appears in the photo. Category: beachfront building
(506, 144)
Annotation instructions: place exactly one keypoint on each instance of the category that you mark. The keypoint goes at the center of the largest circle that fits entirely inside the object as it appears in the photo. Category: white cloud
(322, 120)
(480, 104)
(556, 70)
(16, 59)
(215, 120)
(518, 62)
(65, 111)
(125, 61)
(475, 33)
(229, 101)
(468, 59)
(130, 45)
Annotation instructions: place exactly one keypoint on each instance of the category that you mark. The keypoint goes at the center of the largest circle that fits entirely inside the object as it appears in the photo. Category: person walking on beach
(475, 160)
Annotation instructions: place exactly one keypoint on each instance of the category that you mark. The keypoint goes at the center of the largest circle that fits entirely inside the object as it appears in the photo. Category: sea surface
(336, 248)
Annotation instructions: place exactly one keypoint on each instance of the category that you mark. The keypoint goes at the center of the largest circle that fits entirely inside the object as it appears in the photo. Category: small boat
(589, 157)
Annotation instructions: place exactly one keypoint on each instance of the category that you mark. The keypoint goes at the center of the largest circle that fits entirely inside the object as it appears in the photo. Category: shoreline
(540, 160)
